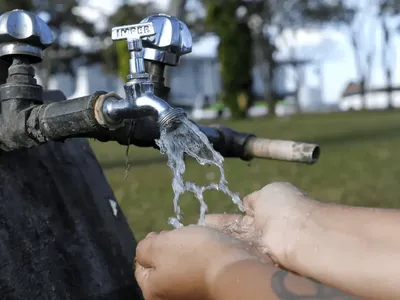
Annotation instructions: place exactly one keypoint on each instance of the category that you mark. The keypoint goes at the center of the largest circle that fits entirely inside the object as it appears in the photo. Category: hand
(275, 218)
(183, 263)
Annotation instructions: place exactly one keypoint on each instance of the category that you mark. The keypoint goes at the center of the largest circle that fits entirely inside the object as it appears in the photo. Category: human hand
(274, 220)
(183, 263)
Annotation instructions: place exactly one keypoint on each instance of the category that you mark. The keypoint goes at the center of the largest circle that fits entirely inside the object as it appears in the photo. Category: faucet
(140, 99)
(27, 119)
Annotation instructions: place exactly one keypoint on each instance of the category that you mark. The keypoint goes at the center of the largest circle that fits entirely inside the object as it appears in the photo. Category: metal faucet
(140, 100)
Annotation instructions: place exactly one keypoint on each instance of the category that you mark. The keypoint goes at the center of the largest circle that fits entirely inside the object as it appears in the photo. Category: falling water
(187, 138)
(127, 163)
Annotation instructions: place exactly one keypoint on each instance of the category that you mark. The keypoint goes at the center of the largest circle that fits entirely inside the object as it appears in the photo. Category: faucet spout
(151, 104)
(168, 117)
(141, 102)
(117, 110)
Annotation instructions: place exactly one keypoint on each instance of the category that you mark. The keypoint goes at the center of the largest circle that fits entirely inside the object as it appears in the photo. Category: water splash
(127, 163)
(188, 139)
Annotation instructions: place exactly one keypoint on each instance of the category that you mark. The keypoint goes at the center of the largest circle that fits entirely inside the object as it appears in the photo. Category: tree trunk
(270, 95)
(259, 60)
(390, 88)
(298, 75)
(386, 65)
(268, 55)
(360, 70)
(297, 68)
(363, 93)
(44, 78)
(176, 9)
(59, 235)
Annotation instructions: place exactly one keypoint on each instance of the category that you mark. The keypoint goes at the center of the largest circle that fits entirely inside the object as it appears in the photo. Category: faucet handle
(23, 33)
(133, 34)
(172, 40)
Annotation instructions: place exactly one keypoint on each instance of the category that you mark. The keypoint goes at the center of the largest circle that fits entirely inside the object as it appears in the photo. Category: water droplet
(174, 222)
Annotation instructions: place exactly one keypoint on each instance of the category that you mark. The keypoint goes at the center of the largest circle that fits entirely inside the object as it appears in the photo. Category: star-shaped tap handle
(133, 34)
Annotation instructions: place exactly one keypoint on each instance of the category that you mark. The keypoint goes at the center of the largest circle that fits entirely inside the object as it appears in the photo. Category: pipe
(58, 121)
(84, 117)
(156, 73)
(282, 150)
(247, 146)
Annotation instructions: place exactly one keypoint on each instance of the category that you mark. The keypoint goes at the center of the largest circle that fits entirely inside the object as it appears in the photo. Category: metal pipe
(231, 143)
(282, 150)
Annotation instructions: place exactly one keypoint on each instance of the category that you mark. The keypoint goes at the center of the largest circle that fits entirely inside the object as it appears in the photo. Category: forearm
(251, 279)
(354, 249)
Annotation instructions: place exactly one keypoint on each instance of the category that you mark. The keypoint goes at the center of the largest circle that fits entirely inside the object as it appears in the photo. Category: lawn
(359, 165)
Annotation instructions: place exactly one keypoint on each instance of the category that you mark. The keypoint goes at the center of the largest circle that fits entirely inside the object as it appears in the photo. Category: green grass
(359, 165)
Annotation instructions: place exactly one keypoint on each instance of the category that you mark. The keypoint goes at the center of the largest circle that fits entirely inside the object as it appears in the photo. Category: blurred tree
(234, 53)
(194, 17)
(264, 20)
(342, 12)
(116, 55)
(268, 19)
(61, 17)
(352, 16)
(387, 9)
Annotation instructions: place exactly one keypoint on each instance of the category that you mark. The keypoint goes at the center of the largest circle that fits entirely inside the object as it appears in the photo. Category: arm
(250, 279)
(355, 249)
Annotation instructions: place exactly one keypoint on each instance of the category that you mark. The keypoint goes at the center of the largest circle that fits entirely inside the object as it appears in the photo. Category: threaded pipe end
(171, 119)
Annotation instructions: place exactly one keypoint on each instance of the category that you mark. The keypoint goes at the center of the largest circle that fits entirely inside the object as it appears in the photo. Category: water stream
(188, 139)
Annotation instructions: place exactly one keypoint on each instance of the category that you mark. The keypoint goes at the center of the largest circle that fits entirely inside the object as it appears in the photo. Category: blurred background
(323, 71)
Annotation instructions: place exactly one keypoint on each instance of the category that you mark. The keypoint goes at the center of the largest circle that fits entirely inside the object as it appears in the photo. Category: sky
(332, 47)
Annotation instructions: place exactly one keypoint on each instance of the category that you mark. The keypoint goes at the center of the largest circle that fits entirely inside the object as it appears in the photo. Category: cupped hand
(183, 263)
(274, 220)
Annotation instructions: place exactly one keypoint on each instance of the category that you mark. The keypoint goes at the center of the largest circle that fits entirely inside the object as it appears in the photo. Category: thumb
(146, 253)
(142, 276)
(249, 203)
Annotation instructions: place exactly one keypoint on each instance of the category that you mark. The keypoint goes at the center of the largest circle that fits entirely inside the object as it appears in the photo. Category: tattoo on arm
(282, 291)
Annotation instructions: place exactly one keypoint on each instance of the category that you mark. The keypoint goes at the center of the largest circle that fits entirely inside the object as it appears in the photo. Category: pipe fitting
(99, 107)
